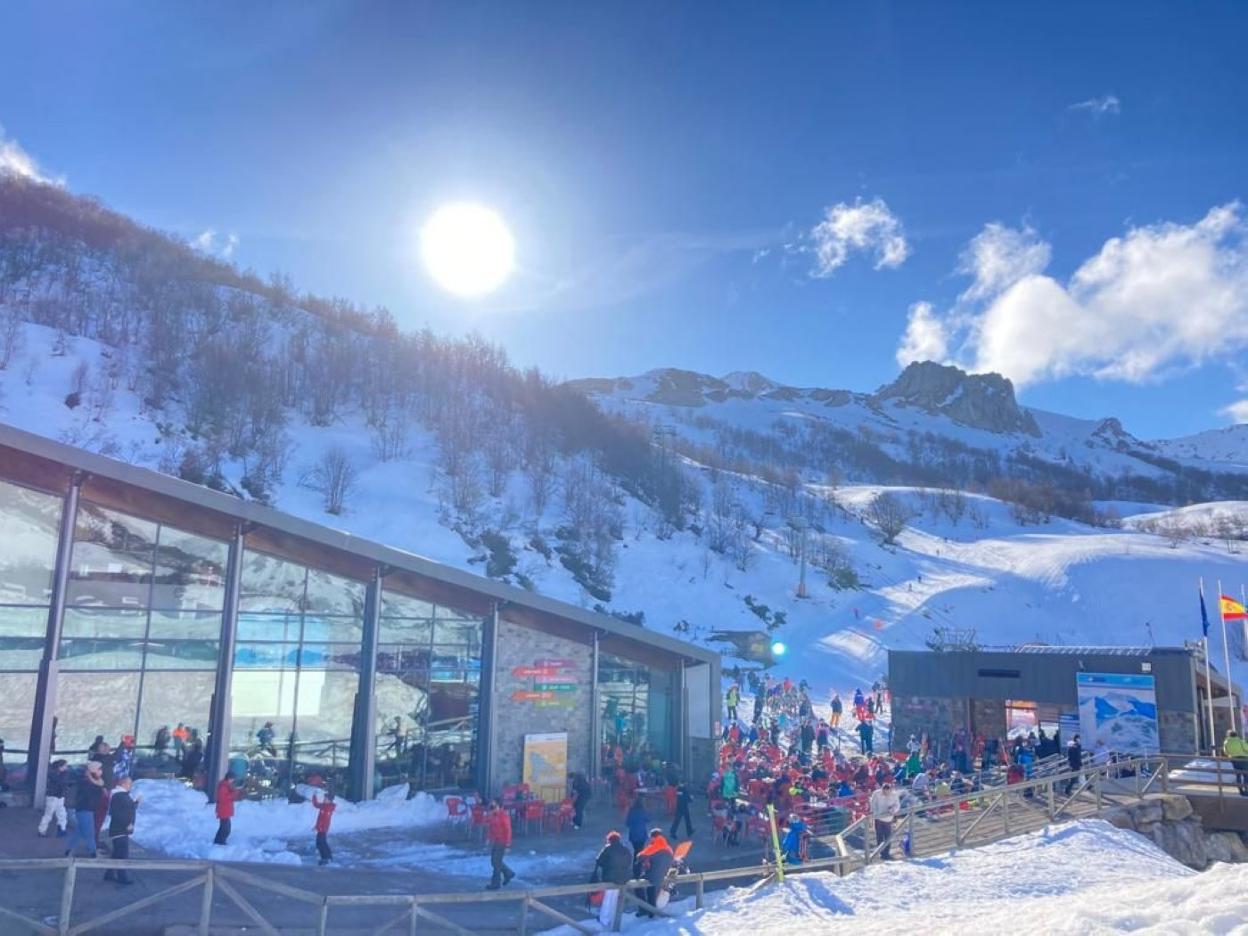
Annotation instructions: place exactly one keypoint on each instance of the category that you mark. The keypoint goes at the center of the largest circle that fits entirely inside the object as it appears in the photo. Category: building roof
(260, 515)
(1091, 651)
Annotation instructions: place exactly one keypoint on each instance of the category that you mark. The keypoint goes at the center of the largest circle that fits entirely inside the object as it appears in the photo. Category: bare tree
(333, 477)
(11, 335)
(890, 514)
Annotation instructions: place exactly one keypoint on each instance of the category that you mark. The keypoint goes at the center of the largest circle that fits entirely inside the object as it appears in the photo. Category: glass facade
(296, 671)
(139, 640)
(636, 710)
(428, 691)
(29, 528)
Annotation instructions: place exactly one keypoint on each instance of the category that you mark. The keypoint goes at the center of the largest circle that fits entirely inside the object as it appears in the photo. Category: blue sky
(672, 174)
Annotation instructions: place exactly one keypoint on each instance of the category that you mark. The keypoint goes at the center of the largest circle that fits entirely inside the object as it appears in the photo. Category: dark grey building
(133, 604)
(998, 692)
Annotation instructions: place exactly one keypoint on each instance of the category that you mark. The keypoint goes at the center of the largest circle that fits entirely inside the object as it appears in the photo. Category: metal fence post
(698, 893)
(322, 918)
(1005, 812)
(205, 903)
(957, 835)
(1096, 787)
(411, 921)
(524, 916)
(909, 833)
(67, 897)
(1052, 800)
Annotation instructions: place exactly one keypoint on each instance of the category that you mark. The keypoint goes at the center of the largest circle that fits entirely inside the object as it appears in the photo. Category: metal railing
(954, 822)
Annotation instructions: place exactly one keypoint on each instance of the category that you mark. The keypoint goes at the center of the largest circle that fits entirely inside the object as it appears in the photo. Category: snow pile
(1085, 877)
(180, 822)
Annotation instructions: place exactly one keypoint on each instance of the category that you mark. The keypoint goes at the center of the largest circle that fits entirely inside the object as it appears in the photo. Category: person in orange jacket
(228, 793)
(498, 834)
(324, 814)
(653, 862)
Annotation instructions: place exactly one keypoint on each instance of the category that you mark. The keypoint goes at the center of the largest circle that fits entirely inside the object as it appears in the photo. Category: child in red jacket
(324, 813)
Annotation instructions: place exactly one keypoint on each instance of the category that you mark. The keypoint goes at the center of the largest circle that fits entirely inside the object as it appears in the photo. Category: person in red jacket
(324, 813)
(228, 793)
(498, 834)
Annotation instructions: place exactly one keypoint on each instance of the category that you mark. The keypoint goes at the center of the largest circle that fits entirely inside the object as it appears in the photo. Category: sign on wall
(1119, 709)
(546, 762)
(551, 682)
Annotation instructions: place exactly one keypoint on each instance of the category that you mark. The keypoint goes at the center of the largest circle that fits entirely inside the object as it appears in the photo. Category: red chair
(456, 809)
(669, 800)
(534, 811)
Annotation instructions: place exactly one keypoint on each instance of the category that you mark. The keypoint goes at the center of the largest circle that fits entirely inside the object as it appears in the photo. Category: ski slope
(1059, 582)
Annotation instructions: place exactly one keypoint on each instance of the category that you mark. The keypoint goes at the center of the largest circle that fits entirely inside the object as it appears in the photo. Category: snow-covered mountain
(680, 501)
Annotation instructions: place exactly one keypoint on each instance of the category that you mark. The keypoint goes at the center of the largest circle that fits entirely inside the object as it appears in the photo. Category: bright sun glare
(467, 249)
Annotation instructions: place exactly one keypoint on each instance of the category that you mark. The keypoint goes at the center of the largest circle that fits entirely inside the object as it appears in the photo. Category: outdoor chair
(534, 811)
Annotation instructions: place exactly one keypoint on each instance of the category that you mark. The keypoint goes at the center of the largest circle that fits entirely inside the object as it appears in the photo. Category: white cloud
(863, 227)
(16, 161)
(925, 338)
(1099, 106)
(998, 257)
(1237, 412)
(1160, 298)
(210, 242)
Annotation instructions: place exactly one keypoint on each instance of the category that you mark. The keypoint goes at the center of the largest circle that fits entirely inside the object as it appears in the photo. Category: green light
(778, 648)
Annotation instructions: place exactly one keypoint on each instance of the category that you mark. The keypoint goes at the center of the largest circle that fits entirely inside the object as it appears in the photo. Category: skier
(54, 802)
(614, 865)
(123, 758)
(87, 795)
(734, 697)
(837, 706)
(228, 793)
(1236, 748)
(324, 814)
(181, 734)
(1074, 761)
(264, 738)
(884, 804)
(636, 822)
(865, 733)
(121, 809)
(498, 834)
(581, 793)
(683, 799)
(655, 860)
(791, 846)
(860, 704)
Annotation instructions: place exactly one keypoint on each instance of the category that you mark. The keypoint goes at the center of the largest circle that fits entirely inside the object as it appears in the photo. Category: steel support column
(686, 745)
(218, 745)
(486, 707)
(595, 726)
(364, 726)
(43, 724)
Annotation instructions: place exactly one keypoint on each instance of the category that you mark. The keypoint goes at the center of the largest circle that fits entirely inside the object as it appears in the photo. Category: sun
(467, 249)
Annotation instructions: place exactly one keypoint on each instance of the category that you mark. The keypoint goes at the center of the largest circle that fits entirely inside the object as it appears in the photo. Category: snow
(180, 822)
(1079, 878)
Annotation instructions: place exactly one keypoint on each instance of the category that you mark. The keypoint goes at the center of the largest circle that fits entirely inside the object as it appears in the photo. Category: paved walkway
(544, 858)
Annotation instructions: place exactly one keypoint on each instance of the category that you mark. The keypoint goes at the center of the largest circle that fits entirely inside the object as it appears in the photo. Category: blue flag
(1204, 615)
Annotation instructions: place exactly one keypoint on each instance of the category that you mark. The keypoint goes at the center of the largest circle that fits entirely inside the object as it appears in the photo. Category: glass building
(215, 634)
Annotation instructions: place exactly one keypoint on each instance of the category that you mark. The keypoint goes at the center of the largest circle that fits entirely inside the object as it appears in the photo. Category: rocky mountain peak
(982, 401)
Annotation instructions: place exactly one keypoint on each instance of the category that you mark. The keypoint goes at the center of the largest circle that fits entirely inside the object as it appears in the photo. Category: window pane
(29, 523)
(337, 629)
(86, 622)
(188, 624)
(458, 631)
(190, 571)
(330, 656)
(252, 626)
(86, 653)
(181, 654)
(397, 605)
(266, 655)
(334, 595)
(112, 558)
(23, 622)
(270, 584)
(401, 659)
(18, 692)
(20, 653)
(258, 696)
(325, 708)
(169, 698)
(406, 630)
(90, 704)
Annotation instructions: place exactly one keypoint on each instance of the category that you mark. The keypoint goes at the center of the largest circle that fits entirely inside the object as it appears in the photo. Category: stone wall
(1168, 819)
(915, 714)
(515, 716)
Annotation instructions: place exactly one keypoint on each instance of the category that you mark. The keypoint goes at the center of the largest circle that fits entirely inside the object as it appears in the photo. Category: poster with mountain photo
(1119, 709)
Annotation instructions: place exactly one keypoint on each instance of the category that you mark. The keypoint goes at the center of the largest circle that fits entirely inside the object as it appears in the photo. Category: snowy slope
(1085, 877)
(1060, 582)
(1228, 446)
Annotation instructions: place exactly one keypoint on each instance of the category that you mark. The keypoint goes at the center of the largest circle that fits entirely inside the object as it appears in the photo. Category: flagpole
(1213, 741)
(1226, 656)
(1243, 647)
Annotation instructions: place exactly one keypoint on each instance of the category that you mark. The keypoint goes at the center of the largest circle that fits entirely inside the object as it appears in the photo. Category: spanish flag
(1232, 610)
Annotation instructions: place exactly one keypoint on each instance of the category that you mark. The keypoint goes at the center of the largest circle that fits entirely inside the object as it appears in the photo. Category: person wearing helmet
(614, 865)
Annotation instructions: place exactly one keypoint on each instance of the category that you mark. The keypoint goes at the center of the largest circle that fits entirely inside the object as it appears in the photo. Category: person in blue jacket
(638, 824)
(791, 845)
